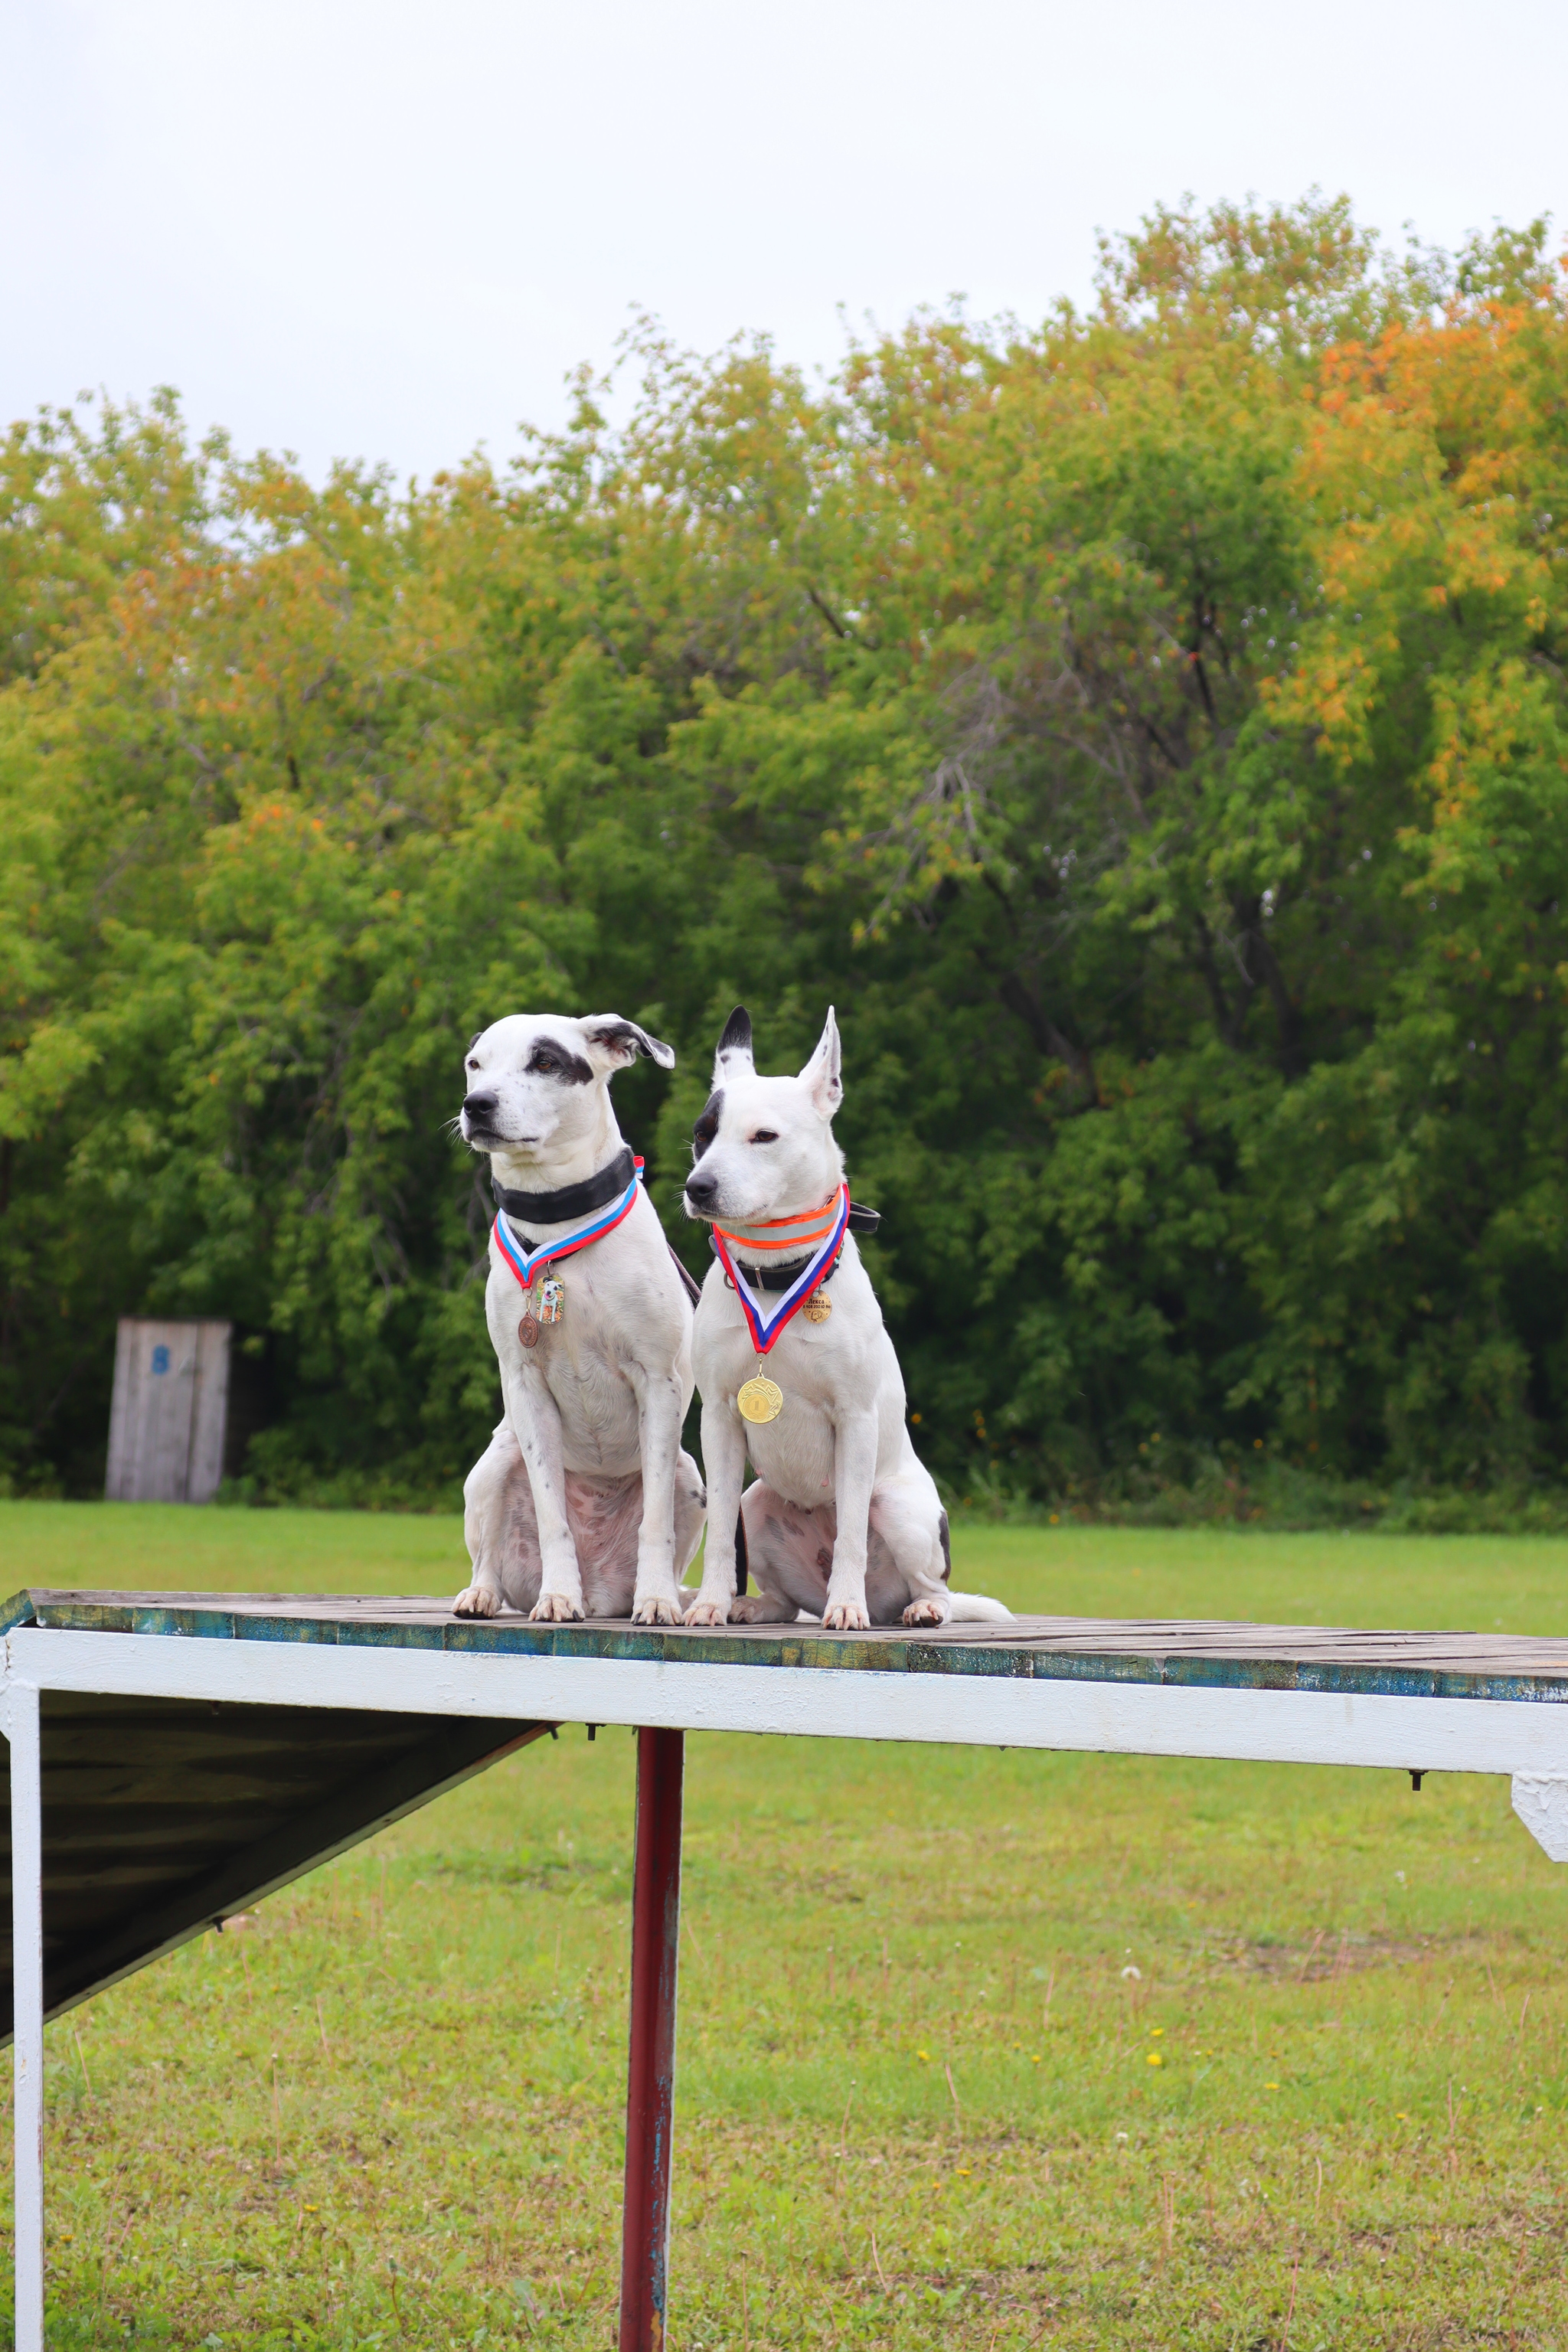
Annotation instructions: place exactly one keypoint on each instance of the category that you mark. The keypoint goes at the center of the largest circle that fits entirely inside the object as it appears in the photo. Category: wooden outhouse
(169, 1413)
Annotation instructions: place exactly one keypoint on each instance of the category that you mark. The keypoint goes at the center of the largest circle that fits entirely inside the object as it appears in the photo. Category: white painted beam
(27, 1985)
(1451, 1735)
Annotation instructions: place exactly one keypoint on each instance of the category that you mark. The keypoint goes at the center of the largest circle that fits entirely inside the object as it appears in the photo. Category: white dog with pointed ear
(844, 1520)
(583, 1502)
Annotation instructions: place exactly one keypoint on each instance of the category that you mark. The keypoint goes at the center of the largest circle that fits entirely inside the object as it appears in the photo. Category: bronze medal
(528, 1329)
(817, 1307)
(760, 1398)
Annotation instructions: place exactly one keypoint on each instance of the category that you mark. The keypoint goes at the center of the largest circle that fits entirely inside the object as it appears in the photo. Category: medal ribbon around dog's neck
(525, 1263)
(820, 1230)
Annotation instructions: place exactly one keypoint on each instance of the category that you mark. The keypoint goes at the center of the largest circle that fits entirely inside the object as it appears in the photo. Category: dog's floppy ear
(473, 1041)
(623, 1041)
(734, 1057)
(821, 1076)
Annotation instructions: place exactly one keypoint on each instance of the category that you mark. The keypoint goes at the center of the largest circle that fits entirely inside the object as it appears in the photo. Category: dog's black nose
(703, 1190)
(479, 1109)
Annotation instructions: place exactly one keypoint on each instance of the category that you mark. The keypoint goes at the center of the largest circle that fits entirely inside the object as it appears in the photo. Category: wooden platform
(198, 1750)
(173, 1755)
(1219, 1653)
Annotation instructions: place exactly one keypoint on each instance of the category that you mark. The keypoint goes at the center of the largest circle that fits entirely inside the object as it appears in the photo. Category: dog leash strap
(525, 1263)
(766, 1328)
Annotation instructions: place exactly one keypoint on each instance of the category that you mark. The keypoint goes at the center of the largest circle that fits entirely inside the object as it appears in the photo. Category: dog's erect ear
(821, 1076)
(734, 1057)
(623, 1041)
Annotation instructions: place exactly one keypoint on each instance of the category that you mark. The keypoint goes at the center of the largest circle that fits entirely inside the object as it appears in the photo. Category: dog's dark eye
(764, 1135)
(473, 1063)
(545, 1065)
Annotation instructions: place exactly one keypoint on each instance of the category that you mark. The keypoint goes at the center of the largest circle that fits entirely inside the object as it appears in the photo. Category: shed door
(170, 1402)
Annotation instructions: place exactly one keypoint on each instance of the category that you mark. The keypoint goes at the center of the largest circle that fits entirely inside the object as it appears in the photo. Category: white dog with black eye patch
(583, 1503)
(844, 1520)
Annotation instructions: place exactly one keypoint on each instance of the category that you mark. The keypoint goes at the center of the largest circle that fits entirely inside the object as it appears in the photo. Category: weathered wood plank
(1203, 1653)
(209, 1412)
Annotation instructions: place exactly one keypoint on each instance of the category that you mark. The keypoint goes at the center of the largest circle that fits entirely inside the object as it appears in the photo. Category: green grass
(916, 2105)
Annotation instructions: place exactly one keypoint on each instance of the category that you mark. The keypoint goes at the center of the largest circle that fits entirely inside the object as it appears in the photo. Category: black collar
(572, 1200)
(777, 1277)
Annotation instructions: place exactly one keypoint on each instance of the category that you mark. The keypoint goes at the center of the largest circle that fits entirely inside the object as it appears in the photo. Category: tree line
(1148, 729)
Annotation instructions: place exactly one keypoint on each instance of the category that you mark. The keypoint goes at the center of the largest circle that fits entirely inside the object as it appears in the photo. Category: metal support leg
(28, 1978)
(650, 2089)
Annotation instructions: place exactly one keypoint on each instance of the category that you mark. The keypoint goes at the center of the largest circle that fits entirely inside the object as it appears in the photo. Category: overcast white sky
(369, 228)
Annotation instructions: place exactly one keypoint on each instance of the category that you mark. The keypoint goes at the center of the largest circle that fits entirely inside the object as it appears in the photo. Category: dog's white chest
(792, 1444)
(567, 1337)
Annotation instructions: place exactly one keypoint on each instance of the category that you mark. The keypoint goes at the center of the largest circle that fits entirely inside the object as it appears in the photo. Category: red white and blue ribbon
(767, 1328)
(525, 1263)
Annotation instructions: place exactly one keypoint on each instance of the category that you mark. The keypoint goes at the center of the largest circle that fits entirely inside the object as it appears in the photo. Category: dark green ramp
(163, 1816)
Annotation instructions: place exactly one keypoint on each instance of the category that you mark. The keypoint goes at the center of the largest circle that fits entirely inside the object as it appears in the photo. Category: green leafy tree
(1149, 730)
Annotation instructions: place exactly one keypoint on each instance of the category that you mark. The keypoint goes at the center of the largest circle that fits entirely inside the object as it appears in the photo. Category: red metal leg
(650, 2089)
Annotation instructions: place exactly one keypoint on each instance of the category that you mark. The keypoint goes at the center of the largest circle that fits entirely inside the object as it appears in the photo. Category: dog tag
(528, 1330)
(760, 1398)
(817, 1307)
(552, 1299)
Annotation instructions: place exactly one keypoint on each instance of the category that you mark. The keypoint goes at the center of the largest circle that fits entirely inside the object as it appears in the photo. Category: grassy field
(977, 2050)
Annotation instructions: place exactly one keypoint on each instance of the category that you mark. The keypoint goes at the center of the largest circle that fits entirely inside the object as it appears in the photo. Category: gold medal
(817, 1307)
(761, 1399)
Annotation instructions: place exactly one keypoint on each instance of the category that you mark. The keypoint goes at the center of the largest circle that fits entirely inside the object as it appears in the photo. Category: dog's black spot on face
(548, 1060)
(707, 1126)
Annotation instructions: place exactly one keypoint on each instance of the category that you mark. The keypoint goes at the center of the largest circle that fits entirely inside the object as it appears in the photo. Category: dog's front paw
(844, 1617)
(708, 1612)
(655, 1609)
(476, 1600)
(554, 1609)
(929, 1612)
